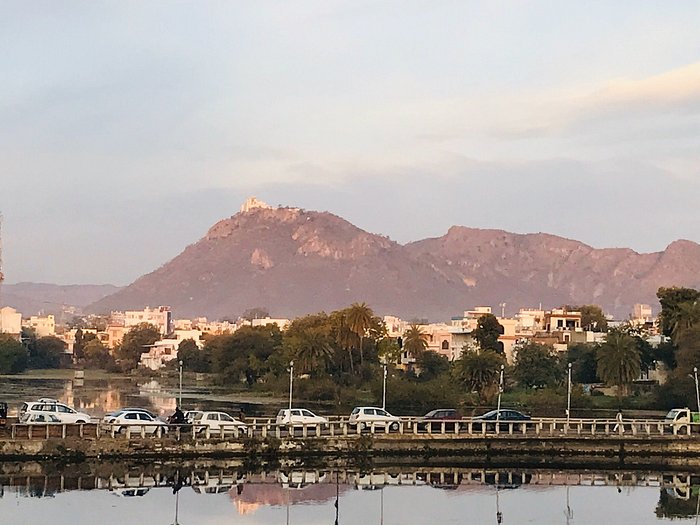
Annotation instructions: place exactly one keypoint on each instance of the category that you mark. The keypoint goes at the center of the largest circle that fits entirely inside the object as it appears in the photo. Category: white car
(64, 413)
(299, 417)
(218, 423)
(39, 419)
(190, 415)
(365, 417)
(134, 421)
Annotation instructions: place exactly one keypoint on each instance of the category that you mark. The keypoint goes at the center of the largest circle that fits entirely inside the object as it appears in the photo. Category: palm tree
(344, 337)
(313, 351)
(685, 317)
(479, 371)
(359, 319)
(414, 340)
(619, 360)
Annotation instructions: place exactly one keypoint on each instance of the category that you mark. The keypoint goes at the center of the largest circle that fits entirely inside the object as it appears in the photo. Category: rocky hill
(56, 299)
(293, 262)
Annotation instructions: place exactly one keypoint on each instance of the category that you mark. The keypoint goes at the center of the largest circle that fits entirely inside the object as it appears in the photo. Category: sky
(128, 128)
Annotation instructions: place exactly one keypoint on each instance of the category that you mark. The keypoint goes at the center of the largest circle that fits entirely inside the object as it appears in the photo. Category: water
(99, 396)
(229, 493)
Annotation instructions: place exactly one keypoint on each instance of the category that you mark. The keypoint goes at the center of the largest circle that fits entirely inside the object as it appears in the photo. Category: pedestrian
(618, 422)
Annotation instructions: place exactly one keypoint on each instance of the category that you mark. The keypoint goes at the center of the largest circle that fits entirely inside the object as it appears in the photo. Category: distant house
(10, 322)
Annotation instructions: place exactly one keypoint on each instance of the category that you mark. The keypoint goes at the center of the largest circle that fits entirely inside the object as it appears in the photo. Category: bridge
(574, 441)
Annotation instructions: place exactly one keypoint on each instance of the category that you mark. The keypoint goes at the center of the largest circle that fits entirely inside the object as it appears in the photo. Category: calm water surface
(226, 496)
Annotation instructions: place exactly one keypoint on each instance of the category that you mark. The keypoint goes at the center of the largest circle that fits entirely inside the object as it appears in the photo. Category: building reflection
(250, 491)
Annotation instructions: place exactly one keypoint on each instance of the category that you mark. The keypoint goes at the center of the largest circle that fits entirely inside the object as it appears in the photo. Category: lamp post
(291, 382)
(179, 402)
(500, 391)
(384, 388)
(697, 390)
(568, 398)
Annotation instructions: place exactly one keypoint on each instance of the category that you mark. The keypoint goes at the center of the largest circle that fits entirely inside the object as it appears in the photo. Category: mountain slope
(294, 262)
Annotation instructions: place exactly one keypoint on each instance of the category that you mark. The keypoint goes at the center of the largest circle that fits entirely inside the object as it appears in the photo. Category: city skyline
(127, 130)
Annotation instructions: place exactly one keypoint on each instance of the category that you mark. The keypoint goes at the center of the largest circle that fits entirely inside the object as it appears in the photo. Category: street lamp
(180, 395)
(697, 390)
(291, 381)
(568, 400)
(500, 391)
(384, 388)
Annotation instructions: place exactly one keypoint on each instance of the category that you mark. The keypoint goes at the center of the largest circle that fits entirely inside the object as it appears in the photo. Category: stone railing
(340, 427)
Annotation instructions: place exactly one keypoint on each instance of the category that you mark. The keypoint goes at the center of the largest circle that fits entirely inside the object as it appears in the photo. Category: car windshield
(355, 411)
(672, 414)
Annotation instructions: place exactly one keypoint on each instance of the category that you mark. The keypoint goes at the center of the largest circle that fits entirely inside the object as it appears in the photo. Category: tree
(537, 365)
(670, 300)
(582, 356)
(487, 332)
(592, 317)
(97, 356)
(414, 341)
(193, 358)
(244, 355)
(359, 317)
(619, 362)
(686, 316)
(432, 365)
(688, 353)
(313, 352)
(258, 312)
(479, 371)
(388, 350)
(136, 341)
(48, 352)
(13, 356)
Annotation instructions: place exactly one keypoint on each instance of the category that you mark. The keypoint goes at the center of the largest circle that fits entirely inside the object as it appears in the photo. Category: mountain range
(292, 262)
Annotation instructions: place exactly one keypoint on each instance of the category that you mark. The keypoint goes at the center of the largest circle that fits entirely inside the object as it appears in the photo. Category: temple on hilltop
(252, 203)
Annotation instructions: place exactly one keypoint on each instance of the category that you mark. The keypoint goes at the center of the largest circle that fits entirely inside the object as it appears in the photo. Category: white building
(160, 317)
(10, 321)
(43, 326)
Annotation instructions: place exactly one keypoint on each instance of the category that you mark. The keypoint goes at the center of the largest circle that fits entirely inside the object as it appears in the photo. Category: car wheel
(394, 426)
(361, 426)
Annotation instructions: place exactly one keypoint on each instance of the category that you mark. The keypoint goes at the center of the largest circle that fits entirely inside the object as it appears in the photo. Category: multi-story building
(160, 317)
(42, 326)
(10, 322)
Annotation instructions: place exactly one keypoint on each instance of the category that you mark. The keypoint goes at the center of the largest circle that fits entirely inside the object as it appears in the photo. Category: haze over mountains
(293, 262)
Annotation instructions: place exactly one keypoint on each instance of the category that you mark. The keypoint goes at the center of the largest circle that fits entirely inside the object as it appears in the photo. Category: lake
(210, 493)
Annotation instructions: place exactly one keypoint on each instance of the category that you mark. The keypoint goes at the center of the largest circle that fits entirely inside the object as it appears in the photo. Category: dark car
(505, 416)
(434, 419)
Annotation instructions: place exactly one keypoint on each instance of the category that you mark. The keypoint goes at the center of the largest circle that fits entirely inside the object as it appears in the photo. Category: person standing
(618, 422)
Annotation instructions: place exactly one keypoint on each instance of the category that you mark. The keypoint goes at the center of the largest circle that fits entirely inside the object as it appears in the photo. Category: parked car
(299, 417)
(505, 416)
(365, 417)
(63, 412)
(134, 422)
(39, 419)
(135, 409)
(3, 413)
(434, 419)
(219, 423)
(190, 415)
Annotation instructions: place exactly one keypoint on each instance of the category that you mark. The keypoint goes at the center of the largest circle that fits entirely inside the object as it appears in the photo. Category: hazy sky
(127, 128)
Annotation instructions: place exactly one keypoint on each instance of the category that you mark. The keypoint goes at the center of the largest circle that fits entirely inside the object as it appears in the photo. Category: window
(306, 413)
(213, 417)
(64, 409)
(382, 412)
(445, 345)
(355, 411)
(131, 416)
(225, 417)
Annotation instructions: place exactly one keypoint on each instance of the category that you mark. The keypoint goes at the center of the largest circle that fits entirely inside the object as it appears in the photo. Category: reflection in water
(99, 396)
(405, 494)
